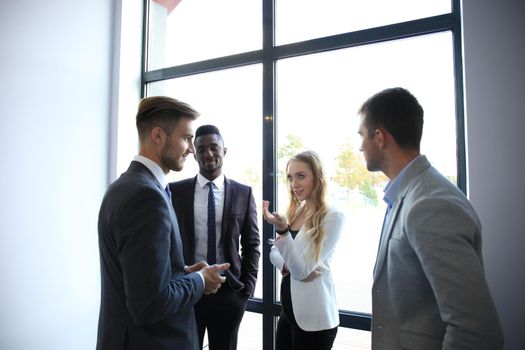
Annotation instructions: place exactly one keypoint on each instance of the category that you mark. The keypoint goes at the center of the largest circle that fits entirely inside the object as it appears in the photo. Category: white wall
(494, 61)
(55, 70)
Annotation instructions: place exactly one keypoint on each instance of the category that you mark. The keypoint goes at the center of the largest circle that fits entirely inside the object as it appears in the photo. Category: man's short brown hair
(162, 111)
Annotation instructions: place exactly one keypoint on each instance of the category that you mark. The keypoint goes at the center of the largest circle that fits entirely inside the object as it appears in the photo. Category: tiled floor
(250, 336)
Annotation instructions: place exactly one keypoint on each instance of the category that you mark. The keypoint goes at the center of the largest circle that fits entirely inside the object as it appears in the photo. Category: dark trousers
(289, 336)
(221, 315)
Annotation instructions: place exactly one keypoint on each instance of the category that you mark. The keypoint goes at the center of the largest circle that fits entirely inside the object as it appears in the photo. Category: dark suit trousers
(221, 315)
(289, 336)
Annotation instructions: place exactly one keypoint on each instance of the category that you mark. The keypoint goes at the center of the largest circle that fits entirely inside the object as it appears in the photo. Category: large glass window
(230, 99)
(183, 31)
(298, 20)
(281, 76)
(318, 96)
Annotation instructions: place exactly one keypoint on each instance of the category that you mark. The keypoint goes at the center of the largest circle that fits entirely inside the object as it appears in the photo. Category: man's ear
(381, 137)
(224, 150)
(157, 135)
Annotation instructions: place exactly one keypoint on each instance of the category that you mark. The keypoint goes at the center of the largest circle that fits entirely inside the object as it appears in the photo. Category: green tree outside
(352, 173)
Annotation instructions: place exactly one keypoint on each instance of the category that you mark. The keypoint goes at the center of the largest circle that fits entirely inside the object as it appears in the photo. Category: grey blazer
(429, 290)
(147, 298)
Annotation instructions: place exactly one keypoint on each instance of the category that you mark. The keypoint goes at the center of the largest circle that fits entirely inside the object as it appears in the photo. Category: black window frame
(268, 56)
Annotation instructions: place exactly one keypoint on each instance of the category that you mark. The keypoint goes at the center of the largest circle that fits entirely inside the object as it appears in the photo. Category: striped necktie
(168, 192)
(212, 253)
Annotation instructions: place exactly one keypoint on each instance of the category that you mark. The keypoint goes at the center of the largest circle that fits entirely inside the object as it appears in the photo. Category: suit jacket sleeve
(250, 247)
(444, 236)
(156, 287)
(301, 262)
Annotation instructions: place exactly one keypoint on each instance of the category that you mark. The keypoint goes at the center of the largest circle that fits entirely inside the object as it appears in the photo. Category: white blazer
(314, 303)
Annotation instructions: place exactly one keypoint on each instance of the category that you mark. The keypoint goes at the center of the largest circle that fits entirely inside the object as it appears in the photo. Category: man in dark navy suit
(215, 214)
(147, 292)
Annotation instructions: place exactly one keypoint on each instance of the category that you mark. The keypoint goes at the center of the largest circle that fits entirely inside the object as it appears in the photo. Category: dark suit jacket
(239, 222)
(147, 298)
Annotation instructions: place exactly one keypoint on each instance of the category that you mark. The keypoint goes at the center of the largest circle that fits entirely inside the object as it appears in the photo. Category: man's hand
(196, 267)
(212, 278)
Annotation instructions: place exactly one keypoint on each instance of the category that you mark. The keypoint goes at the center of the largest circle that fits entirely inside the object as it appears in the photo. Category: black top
(286, 296)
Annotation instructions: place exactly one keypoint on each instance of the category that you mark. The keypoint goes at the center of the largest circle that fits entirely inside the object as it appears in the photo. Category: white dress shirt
(200, 207)
(154, 168)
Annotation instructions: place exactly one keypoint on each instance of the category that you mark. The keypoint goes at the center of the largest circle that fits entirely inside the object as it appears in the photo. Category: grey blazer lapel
(383, 244)
(409, 178)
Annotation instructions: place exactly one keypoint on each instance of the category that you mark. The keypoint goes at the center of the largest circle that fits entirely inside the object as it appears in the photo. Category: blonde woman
(306, 240)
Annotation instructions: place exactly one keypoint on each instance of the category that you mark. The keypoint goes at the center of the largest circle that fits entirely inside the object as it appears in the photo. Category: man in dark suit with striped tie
(147, 292)
(215, 214)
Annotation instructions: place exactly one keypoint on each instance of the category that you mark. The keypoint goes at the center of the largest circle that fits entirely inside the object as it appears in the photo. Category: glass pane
(182, 31)
(231, 100)
(250, 332)
(352, 339)
(298, 20)
(318, 98)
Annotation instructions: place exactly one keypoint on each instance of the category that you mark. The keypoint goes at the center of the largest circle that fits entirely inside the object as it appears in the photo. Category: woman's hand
(273, 218)
(313, 275)
(284, 271)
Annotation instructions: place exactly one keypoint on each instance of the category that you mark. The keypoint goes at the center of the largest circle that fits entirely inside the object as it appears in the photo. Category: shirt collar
(154, 168)
(218, 181)
(392, 187)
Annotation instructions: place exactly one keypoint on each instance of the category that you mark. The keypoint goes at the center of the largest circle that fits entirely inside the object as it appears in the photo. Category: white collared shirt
(154, 168)
(200, 207)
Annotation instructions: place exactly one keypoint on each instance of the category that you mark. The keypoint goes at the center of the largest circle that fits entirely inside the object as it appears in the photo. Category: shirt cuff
(202, 277)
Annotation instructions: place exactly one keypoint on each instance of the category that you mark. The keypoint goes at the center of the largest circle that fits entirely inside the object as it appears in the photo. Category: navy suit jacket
(147, 298)
(239, 223)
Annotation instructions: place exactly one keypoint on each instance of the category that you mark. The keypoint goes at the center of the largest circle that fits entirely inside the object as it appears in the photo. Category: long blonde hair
(317, 207)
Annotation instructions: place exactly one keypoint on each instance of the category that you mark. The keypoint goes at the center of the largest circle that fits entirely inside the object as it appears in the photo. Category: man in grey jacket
(429, 289)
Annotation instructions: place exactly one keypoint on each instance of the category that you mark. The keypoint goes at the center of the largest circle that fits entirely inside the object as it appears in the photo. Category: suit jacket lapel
(383, 244)
(419, 165)
(228, 202)
(175, 233)
(176, 237)
(188, 195)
